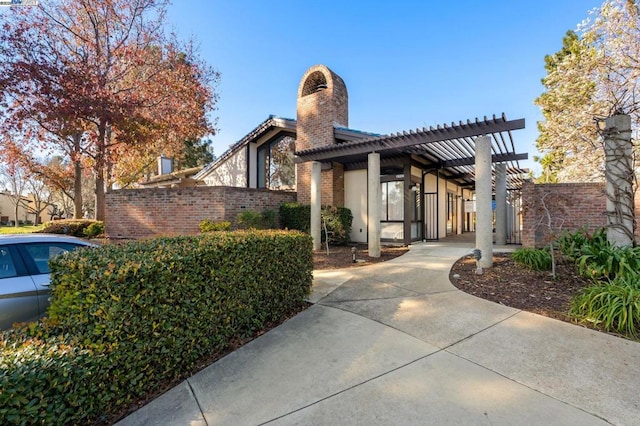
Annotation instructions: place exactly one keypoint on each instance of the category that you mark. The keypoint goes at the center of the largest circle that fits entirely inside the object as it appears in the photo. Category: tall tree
(594, 75)
(197, 152)
(567, 137)
(107, 74)
(14, 176)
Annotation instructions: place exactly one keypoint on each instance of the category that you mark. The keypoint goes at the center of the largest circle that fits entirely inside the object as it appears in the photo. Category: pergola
(449, 149)
(462, 152)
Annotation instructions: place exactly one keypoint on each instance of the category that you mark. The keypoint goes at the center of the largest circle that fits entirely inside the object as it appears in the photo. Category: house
(408, 186)
(25, 214)
(173, 179)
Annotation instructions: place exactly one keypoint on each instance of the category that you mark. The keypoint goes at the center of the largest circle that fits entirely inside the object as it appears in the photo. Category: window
(276, 167)
(40, 253)
(392, 201)
(7, 269)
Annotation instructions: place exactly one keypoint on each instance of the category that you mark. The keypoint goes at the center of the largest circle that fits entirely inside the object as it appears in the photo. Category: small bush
(94, 229)
(338, 221)
(210, 226)
(571, 243)
(250, 219)
(295, 216)
(125, 320)
(536, 259)
(608, 262)
(74, 227)
(614, 306)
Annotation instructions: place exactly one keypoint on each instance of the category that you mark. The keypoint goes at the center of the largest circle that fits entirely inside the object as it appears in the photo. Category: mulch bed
(513, 285)
(341, 256)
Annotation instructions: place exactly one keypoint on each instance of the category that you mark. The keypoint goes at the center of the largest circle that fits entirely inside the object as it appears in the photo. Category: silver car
(24, 274)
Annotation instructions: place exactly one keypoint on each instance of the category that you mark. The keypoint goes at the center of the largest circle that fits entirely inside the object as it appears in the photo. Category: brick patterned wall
(316, 114)
(571, 205)
(140, 213)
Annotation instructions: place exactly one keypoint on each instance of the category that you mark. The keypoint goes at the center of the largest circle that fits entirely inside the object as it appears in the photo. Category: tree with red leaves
(101, 82)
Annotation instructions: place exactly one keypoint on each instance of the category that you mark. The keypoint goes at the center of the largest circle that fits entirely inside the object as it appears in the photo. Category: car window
(7, 268)
(40, 253)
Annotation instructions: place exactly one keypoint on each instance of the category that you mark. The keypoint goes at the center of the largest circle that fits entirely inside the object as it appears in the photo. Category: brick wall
(571, 206)
(139, 213)
(317, 112)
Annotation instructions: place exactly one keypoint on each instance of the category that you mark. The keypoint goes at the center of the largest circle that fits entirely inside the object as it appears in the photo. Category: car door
(37, 256)
(18, 294)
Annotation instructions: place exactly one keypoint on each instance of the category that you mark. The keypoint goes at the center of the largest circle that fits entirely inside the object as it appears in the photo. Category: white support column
(501, 204)
(374, 204)
(484, 213)
(316, 197)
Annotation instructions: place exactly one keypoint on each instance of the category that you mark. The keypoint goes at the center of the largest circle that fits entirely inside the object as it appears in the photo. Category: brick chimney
(323, 103)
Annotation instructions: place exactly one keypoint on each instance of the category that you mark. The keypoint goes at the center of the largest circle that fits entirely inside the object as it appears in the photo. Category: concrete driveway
(396, 344)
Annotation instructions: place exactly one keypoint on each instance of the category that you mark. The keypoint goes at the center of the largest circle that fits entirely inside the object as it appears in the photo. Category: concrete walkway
(396, 344)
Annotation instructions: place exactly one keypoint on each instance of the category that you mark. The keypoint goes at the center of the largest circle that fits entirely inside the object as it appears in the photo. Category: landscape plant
(250, 219)
(338, 220)
(126, 321)
(73, 227)
(535, 259)
(613, 301)
(207, 225)
(613, 305)
(571, 243)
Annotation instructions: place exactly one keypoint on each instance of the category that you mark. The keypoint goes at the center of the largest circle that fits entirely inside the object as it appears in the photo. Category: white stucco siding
(231, 172)
(355, 199)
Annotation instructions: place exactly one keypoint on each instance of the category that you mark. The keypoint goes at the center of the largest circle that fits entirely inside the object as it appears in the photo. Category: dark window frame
(264, 164)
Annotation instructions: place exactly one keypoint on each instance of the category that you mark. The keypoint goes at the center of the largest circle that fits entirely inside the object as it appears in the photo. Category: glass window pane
(396, 200)
(384, 203)
(262, 168)
(392, 231)
(42, 252)
(282, 166)
(7, 269)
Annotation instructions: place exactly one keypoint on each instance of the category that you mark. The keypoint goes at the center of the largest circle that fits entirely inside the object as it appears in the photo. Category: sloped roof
(286, 124)
(270, 123)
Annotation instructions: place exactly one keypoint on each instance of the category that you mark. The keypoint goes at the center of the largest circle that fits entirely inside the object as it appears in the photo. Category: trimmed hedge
(125, 320)
(295, 216)
(211, 226)
(338, 220)
(74, 227)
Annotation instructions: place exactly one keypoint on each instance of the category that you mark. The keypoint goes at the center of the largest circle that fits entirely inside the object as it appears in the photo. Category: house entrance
(452, 213)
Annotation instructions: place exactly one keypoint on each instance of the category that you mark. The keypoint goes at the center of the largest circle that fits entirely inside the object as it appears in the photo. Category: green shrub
(250, 219)
(571, 243)
(74, 227)
(609, 262)
(295, 216)
(210, 226)
(125, 320)
(615, 306)
(536, 259)
(94, 229)
(338, 221)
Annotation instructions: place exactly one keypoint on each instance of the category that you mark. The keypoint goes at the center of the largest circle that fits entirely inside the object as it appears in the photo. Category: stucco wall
(139, 213)
(231, 172)
(355, 199)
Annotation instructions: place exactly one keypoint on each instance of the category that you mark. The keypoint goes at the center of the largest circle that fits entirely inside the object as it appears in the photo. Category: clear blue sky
(406, 64)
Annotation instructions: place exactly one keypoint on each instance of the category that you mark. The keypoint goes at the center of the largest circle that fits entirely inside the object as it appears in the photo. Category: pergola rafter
(450, 148)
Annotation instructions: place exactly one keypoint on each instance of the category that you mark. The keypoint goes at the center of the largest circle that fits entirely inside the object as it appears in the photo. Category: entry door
(452, 213)
(431, 216)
